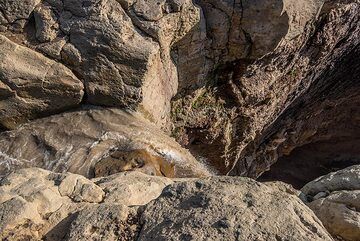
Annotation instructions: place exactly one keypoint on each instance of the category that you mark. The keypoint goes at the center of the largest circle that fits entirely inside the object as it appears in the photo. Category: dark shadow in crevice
(308, 162)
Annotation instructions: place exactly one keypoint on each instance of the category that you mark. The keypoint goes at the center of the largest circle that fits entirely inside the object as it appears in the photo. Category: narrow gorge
(180, 120)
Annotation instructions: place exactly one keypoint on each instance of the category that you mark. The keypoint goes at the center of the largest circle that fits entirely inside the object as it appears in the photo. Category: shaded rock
(17, 10)
(231, 31)
(46, 23)
(132, 188)
(335, 199)
(32, 85)
(81, 140)
(105, 222)
(225, 208)
(257, 108)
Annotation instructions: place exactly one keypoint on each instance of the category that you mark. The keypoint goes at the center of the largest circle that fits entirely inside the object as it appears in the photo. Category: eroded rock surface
(225, 208)
(89, 141)
(132, 188)
(105, 222)
(120, 49)
(335, 199)
(32, 85)
(33, 201)
(256, 110)
(38, 204)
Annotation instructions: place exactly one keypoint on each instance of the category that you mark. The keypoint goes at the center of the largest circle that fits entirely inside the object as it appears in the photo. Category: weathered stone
(284, 187)
(46, 24)
(105, 222)
(132, 188)
(89, 141)
(17, 10)
(121, 49)
(33, 85)
(225, 208)
(37, 204)
(253, 109)
(346, 179)
(335, 199)
(31, 204)
(339, 212)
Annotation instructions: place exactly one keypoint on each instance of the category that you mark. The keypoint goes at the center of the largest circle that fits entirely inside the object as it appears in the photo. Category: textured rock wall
(90, 142)
(119, 49)
(239, 83)
(313, 65)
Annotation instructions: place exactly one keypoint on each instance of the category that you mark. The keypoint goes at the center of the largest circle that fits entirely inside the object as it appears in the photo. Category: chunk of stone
(32, 85)
(229, 208)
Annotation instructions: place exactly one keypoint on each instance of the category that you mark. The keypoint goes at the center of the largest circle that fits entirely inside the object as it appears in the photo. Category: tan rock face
(224, 208)
(96, 141)
(32, 85)
(32, 202)
(37, 204)
(105, 222)
(335, 199)
(120, 49)
(132, 188)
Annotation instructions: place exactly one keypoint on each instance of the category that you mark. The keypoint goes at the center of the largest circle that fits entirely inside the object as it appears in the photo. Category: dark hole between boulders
(313, 160)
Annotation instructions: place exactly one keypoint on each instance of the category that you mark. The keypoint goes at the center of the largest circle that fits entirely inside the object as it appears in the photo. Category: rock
(132, 188)
(32, 204)
(228, 208)
(92, 139)
(346, 179)
(38, 204)
(46, 23)
(238, 30)
(120, 49)
(80, 189)
(32, 85)
(284, 187)
(339, 212)
(105, 222)
(335, 199)
(261, 100)
(15, 10)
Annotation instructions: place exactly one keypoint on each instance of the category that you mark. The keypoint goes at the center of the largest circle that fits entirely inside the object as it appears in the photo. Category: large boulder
(335, 199)
(37, 204)
(97, 142)
(120, 49)
(31, 85)
(34, 201)
(228, 208)
(132, 188)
